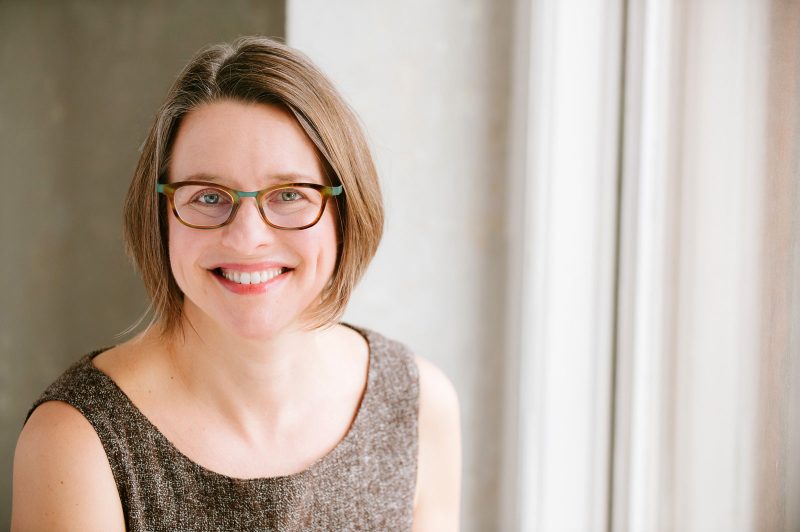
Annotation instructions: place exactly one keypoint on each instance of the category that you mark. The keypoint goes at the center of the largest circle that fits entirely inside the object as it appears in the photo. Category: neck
(257, 386)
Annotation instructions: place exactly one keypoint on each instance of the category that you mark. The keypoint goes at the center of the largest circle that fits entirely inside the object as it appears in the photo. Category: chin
(253, 323)
(258, 329)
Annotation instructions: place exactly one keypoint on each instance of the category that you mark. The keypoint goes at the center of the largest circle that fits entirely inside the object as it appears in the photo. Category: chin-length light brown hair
(258, 70)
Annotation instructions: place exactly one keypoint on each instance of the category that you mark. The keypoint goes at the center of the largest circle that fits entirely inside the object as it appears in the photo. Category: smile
(252, 277)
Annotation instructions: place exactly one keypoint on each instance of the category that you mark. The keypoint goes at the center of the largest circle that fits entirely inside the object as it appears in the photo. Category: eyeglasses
(207, 205)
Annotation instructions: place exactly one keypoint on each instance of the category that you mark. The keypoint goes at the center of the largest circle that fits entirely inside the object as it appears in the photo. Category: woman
(246, 405)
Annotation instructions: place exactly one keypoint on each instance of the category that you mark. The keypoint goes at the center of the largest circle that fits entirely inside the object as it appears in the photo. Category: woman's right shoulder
(61, 474)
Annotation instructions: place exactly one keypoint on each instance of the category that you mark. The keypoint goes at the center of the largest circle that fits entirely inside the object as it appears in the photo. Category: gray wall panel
(79, 84)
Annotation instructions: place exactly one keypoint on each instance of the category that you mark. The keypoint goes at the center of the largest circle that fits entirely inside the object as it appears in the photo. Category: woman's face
(248, 147)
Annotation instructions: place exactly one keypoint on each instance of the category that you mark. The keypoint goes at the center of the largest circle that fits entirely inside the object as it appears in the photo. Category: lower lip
(251, 289)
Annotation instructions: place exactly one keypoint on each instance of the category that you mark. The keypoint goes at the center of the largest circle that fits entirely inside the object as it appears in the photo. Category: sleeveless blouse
(366, 482)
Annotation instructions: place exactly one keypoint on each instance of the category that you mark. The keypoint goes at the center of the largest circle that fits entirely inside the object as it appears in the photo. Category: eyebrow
(290, 177)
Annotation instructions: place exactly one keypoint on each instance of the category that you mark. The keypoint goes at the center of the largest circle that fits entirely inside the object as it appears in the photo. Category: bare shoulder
(437, 499)
(436, 390)
(62, 479)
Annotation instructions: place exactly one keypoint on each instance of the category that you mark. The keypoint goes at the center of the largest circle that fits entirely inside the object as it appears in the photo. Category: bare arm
(62, 479)
(437, 501)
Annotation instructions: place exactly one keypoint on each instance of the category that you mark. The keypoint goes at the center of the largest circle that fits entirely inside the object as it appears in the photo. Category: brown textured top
(365, 483)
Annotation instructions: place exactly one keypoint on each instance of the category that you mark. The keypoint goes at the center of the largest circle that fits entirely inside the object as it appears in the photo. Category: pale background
(593, 228)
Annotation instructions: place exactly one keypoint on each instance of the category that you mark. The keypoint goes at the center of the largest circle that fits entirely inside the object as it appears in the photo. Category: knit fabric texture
(366, 482)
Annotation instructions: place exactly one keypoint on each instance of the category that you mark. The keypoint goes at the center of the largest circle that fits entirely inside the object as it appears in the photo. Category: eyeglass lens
(206, 206)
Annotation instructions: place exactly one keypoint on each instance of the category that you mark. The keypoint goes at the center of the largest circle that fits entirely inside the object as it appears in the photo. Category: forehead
(243, 144)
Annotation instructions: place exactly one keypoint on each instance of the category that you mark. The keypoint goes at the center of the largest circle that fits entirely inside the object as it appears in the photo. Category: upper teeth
(251, 277)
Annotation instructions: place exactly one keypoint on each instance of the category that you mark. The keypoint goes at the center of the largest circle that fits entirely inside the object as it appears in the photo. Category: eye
(210, 196)
(289, 195)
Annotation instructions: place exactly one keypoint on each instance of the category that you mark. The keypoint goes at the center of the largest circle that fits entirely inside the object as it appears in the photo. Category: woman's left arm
(437, 497)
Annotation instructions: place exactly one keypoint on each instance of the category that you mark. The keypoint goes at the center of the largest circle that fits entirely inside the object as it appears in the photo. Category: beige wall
(79, 84)
(430, 81)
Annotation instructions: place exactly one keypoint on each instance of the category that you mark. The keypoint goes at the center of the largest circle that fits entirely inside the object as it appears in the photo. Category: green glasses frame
(168, 189)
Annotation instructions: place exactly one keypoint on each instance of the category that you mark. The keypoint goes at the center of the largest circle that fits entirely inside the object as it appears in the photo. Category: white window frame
(562, 278)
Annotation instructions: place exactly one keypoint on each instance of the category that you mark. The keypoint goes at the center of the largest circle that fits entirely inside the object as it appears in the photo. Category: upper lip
(255, 267)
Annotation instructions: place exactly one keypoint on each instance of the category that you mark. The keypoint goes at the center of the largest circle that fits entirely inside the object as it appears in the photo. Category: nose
(247, 231)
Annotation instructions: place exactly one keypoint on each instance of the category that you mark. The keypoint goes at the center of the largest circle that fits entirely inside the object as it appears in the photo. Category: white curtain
(657, 382)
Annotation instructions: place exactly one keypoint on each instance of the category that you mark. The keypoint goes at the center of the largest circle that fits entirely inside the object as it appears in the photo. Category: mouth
(250, 278)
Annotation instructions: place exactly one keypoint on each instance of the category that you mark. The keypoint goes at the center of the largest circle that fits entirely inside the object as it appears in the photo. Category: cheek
(320, 244)
(330, 237)
(173, 241)
(180, 250)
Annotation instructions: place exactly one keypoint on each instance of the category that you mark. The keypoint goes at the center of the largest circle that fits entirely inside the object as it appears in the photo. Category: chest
(211, 442)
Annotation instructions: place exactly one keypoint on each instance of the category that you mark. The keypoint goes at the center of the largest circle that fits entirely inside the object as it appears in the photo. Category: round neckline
(345, 443)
